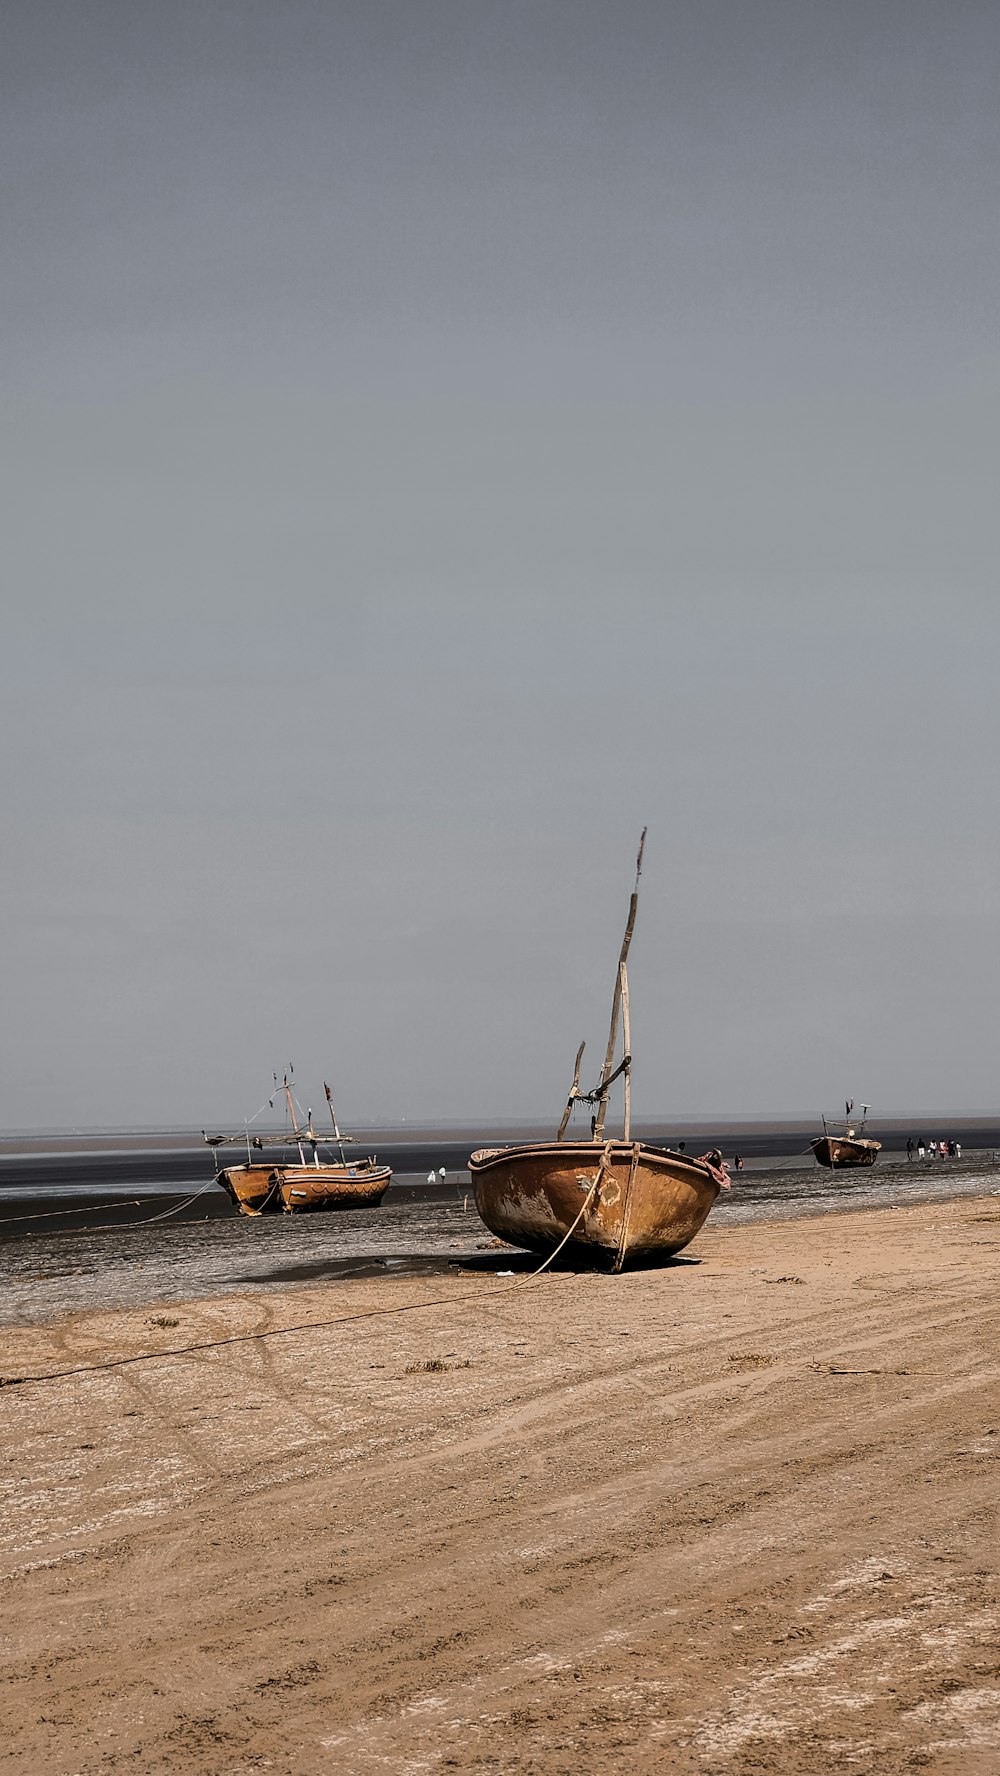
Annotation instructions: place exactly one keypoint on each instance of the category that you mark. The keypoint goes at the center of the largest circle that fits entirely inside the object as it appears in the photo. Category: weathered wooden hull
(295, 1190)
(649, 1202)
(835, 1151)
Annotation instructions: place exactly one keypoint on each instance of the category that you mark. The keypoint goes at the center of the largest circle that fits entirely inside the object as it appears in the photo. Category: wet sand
(144, 1251)
(736, 1514)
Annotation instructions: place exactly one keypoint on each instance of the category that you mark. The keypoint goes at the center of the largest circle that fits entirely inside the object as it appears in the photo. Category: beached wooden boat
(259, 1186)
(295, 1189)
(637, 1201)
(611, 1201)
(849, 1147)
(845, 1150)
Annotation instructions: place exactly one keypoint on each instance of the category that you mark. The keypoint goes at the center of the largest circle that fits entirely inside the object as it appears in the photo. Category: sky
(440, 438)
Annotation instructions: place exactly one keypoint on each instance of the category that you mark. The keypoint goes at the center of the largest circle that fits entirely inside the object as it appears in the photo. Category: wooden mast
(608, 1073)
(291, 1111)
(291, 1107)
(333, 1118)
(627, 1046)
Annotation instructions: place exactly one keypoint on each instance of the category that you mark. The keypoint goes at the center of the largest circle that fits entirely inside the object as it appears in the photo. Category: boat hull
(304, 1189)
(836, 1151)
(649, 1202)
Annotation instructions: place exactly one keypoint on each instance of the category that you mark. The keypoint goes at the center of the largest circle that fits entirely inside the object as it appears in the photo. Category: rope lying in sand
(311, 1325)
(184, 1350)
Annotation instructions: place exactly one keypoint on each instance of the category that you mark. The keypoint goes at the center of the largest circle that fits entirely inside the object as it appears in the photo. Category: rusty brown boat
(617, 1202)
(259, 1186)
(297, 1189)
(850, 1147)
(610, 1201)
(845, 1150)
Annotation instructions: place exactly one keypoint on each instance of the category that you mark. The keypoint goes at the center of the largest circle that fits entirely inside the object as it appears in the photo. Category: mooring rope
(130, 1202)
(186, 1204)
(184, 1350)
(602, 1168)
(127, 1202)
(7, 1381)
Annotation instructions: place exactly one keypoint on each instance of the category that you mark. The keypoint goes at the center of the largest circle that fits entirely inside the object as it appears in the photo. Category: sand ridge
(736, 1515)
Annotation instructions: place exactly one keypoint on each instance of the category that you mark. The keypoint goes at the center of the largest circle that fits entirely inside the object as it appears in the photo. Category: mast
(289, 1100)
(311, 1136)
(333, 1118)
(616, 1004)
(627, 1046)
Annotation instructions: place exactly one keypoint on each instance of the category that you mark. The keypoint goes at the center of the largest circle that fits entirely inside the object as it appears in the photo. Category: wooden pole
(333, 1113)
(291, 1107)
(602, 1108)
(291, 1111)
(627, 1045)
(333, 1119)
(574, 1093)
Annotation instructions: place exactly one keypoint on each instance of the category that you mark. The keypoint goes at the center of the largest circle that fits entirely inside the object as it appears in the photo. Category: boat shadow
(410, 1264)
(527, 1263)
(321, 1270)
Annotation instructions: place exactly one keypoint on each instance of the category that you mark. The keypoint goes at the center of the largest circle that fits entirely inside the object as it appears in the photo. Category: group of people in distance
(933, 1149)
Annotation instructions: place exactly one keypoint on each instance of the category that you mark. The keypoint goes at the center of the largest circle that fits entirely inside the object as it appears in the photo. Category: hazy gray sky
(441, 437)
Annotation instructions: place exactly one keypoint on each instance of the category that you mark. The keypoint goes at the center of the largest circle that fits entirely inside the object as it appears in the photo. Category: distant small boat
(612, 1201)
(848, 1148)
(272, 1187)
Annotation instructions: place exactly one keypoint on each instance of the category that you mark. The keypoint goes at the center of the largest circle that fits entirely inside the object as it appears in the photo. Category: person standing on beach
(920, 1148)
(738, 1161)
(909, 1146)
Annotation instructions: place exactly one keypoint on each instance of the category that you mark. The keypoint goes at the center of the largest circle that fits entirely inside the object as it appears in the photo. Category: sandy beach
(736, 1514)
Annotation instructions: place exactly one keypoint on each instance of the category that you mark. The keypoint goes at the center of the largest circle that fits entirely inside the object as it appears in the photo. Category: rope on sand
(184, 1350)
